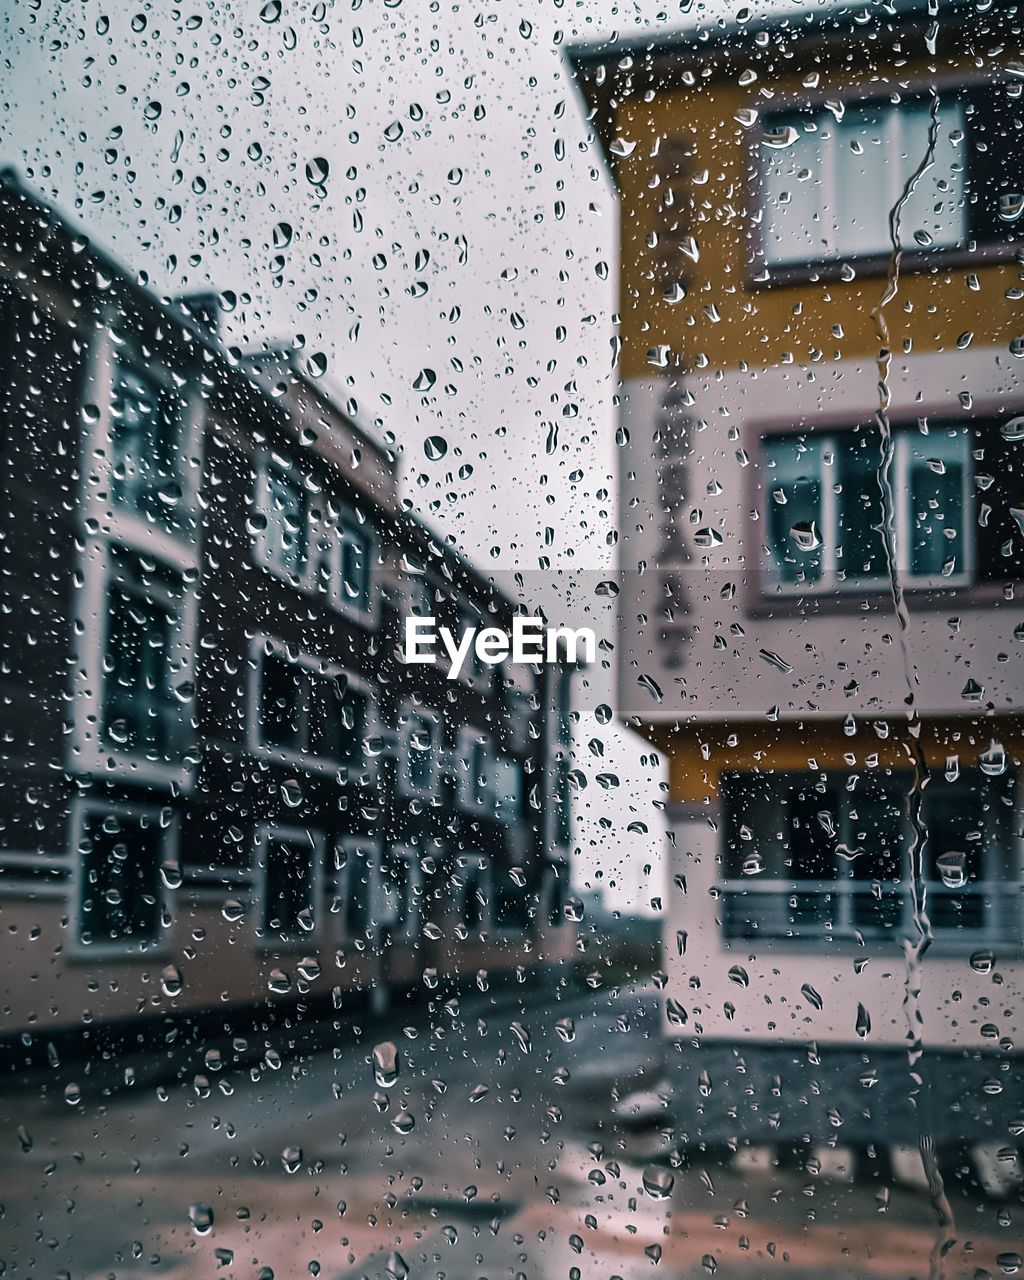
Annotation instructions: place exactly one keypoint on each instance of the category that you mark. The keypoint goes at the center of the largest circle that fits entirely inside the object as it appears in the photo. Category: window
(120, 851)
(418, 763)
(356, 872)
(473, 889)
(306, 711)
(419, 595)
(511, 902)
(282, 519)
(353, 579)
(489, 783)
(401, 892)
(288, 859)
(148, 441)
(830, 179)
(830, 175)
(825, 856)
(145, 689)
(823, 508)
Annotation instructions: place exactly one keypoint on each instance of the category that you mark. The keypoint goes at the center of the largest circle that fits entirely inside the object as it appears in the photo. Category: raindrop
(435, 447)
(806, 536)
(779, 139)
(317, 170)
(810, 995)
(281, 236)
(658, 1183)
(171, 982)
(291, 793)
(566, 1029)
(425, 379)
(201, 1217)
(271, 11)
(1013, 430)
(952, 869)
(385, 1064)
(403, 1122)
(1011, 206)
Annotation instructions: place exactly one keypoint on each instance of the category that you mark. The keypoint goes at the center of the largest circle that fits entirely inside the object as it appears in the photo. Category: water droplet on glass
(952, 869)
(385, 1064)
(658, 1183)
(317, 171)
(201, 1217)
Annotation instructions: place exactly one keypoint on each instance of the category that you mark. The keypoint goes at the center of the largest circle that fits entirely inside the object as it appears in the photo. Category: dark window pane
(120, 878)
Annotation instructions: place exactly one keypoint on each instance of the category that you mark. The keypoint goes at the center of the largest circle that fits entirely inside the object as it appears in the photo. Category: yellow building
(800, 411)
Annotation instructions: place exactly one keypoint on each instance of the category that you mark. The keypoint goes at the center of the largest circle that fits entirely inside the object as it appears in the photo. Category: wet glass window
(121, 852)
(288, 862)
(282, 518)
(141, 663)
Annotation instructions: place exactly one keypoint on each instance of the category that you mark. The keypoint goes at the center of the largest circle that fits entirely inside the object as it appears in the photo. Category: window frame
(987, 250)
(475, 861)
(484, 802)
(265, 832)
(341, 535)
(190, 422)
(262, 551)
(359, 851)
(407, 711)
(410, 932)
(89, 750)
(82, 807)
(892, 133)
(318, 668)
(997, 929)
(827, 440)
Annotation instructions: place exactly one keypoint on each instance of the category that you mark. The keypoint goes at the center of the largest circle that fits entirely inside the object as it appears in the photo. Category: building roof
(620, 65)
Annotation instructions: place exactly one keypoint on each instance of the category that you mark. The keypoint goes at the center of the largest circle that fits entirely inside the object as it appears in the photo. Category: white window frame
(88, 749)
(843, 888)
(264, 552)
(81, 809)
(266, 833)
(891, 143)
(259, 646)
(403, 771)
(905, 443)
(128, 357)
(341, 534)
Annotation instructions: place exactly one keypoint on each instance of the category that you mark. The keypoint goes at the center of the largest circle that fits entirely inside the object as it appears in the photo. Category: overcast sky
(410, 187)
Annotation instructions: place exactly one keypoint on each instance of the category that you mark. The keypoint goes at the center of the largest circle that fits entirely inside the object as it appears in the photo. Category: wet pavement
(495, 1152)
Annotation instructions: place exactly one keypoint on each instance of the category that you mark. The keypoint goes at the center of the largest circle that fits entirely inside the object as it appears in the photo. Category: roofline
(426, 541)
(696, 42)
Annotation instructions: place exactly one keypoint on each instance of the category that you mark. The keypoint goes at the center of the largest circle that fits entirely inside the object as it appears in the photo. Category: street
(478, 1143)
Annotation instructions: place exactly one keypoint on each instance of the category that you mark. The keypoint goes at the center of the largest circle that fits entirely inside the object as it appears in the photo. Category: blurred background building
(220, 786)
(791, 414)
